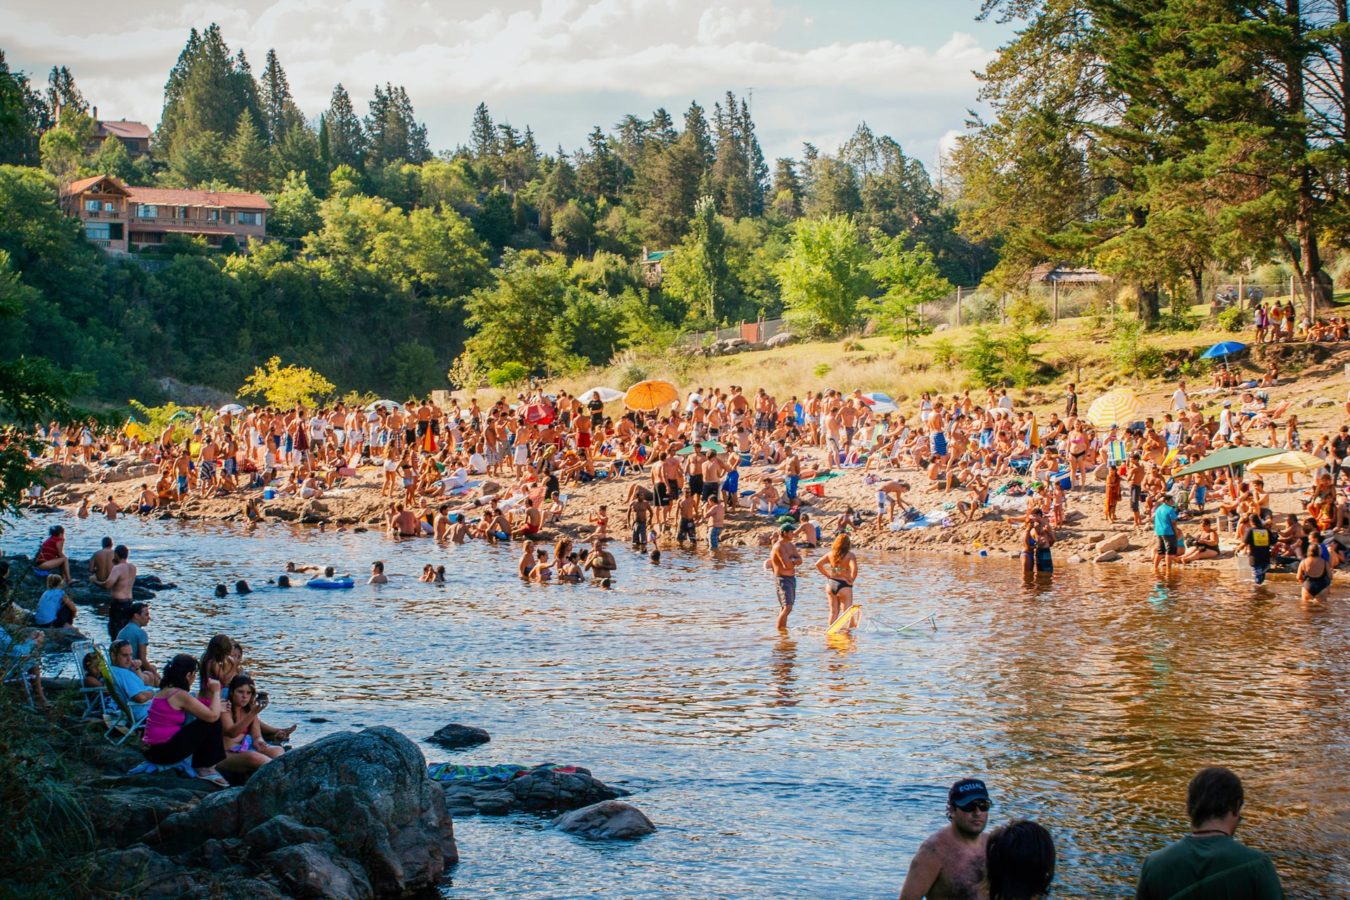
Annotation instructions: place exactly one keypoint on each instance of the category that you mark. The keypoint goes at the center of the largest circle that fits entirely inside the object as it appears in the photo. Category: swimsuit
(836, 585)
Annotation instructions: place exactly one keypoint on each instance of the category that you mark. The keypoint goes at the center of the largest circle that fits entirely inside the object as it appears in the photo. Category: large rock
(318, 870)
(141, 872)
(371, 793)
(455, 736)
(125, 814)
(1115, 543)
(782, 339)
(541, 789)
(607, 820)
(350, 815)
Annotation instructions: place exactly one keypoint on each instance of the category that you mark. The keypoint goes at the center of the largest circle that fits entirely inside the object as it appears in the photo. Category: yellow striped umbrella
(1118, 407)
(1293, 461)
(648, 395)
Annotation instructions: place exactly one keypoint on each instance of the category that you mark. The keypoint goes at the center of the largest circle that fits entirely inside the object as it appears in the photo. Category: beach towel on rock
(499, 773)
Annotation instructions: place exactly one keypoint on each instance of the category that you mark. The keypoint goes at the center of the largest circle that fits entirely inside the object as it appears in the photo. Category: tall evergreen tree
(63, 93)
(280, 112)
(247, 155)
(392, 130)
(207, 91)
(22, 117)
(484, 134)
(346, 139)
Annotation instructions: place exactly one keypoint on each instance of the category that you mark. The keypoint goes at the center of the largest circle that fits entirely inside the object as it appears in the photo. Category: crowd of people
(203, 711)
(718, 457)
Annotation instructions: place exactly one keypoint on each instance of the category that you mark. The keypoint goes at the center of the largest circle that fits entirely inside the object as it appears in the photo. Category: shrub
(852, 346)
(944, 353)
(508, 374)
(1026, 310)
(821, 370)
(983, 358)
(1234, 318)
(632, 373)
(1132, 354)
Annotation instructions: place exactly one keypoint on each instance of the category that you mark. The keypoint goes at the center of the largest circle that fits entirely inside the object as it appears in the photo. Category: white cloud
(451, 55)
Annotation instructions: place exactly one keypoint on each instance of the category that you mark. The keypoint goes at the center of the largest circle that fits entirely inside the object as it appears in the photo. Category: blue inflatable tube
(330, 584)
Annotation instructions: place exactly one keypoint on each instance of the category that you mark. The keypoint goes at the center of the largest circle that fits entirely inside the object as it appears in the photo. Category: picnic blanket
(499, 773)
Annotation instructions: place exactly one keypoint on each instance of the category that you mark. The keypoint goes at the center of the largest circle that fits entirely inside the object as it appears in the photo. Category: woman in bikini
(840, 568)
(241, 729)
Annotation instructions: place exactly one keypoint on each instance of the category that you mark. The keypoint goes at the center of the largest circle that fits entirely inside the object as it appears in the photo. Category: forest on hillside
(392, 264)
(1169, 144)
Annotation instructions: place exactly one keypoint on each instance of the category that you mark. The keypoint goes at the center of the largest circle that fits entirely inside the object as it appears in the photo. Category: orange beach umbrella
(648, 395)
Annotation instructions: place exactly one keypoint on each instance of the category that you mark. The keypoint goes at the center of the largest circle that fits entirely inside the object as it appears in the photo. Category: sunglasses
(975, 806)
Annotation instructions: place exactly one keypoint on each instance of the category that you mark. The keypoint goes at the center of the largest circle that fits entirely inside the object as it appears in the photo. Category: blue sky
(817, 68)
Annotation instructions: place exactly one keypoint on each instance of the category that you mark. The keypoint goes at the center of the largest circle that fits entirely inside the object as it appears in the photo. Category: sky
(813, 69)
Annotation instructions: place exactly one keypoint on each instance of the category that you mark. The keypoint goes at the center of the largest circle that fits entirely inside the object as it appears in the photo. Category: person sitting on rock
(55, 609)
(241, 729)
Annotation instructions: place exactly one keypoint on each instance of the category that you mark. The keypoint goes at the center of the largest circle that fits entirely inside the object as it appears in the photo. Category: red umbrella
(539, 414)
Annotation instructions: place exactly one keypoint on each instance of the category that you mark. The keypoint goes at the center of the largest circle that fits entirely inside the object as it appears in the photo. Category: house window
(182, 212)
(229, 217)
(97, 231)
(213, 215)
(109, 206)
(146, 211)
(91, 206)
(250, 218)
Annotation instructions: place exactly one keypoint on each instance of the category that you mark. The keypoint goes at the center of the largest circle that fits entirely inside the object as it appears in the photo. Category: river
(795, 766)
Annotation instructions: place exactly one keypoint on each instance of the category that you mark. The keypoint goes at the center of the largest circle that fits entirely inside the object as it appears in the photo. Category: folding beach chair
(1116, 453)
(97, 703)
(126, 717)
(16, 668)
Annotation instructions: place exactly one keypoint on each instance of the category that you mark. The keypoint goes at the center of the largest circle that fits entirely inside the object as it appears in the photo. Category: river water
(799, 766)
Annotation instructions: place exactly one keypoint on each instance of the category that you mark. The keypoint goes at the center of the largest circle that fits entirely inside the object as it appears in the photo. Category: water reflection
(800, 765)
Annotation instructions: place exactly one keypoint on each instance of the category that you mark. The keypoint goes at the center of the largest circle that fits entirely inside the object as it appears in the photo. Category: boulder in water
(541, 789)
(607, 820)
(455, 736)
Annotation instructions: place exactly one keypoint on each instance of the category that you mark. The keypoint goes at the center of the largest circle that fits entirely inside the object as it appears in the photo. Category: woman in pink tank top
(169, 738)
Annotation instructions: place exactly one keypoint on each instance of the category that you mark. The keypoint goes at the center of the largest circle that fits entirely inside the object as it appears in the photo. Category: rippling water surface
(798, 766)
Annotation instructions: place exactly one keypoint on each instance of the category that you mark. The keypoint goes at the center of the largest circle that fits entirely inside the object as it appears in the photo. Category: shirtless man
(792, 468)
(689, 517)
(148, 500)
(950, 864)
(715, 514)
(889, 496)
(101, 563)
(121, 579)
(601, 563)
(783, 562)
(635, 517)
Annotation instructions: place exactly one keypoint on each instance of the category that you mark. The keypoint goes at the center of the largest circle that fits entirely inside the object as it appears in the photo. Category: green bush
(1133, 355)
(508, 374)
(944, 353)
(1025, 311)
(821, 370)
(1234, 318)
(852, 346)
(632, 374)
(983, 358)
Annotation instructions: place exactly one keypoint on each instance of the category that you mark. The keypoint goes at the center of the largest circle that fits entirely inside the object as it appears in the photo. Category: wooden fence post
(958, 306)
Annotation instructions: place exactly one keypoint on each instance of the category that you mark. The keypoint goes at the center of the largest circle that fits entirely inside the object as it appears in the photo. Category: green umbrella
(1229, 456)
(706, 445)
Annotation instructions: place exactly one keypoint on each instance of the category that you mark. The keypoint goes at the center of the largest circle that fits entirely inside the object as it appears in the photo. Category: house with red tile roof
(121, 218)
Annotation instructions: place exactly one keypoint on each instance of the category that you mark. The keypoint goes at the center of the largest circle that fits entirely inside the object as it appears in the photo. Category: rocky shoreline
(353, 815)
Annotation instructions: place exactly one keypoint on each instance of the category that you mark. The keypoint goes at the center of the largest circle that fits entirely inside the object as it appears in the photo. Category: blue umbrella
(1223, 348)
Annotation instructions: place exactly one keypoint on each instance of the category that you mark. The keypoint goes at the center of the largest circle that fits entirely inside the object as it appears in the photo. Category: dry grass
(1078, 349)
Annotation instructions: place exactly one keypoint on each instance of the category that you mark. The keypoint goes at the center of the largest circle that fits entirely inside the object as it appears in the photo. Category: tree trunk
(1315, 283)
(1146, 303)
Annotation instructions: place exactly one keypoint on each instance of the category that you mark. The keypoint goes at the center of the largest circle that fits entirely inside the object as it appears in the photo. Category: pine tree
(247, 155)
(63, 93)
(207, 90)
(696, 125)
(787, 189)
(661, 129)
(280, 113)
(484, 134)
(392, 130)
(23, 115)
(346, 140)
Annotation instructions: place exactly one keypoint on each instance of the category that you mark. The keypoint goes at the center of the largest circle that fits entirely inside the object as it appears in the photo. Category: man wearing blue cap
(950, 863)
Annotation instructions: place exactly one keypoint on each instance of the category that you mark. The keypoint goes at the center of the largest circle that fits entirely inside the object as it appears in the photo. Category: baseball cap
(967, 791)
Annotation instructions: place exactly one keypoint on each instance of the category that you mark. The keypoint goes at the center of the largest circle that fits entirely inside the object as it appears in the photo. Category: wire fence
(975, 305)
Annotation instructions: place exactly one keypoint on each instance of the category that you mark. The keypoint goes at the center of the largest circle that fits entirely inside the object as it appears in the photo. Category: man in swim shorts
(950, 864)
(783, 561)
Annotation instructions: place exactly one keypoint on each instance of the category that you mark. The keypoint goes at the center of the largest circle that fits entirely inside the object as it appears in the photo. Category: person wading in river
(783, 562)
(950, 865)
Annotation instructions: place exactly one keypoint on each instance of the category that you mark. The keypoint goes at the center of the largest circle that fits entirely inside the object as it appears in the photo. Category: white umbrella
(880, 403)
(231, 409)
(384, 404)
(606, 395)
